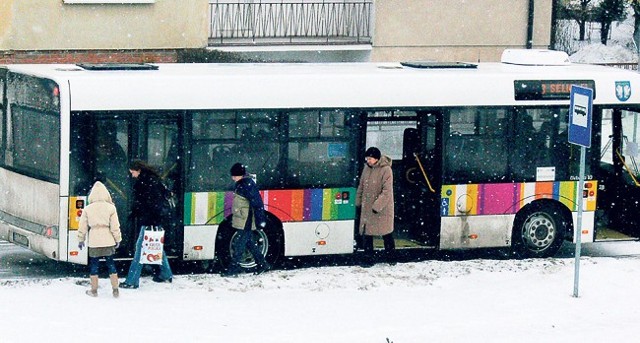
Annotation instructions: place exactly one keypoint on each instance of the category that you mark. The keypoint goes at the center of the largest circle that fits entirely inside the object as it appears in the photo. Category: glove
(117, 245)
(80, 245)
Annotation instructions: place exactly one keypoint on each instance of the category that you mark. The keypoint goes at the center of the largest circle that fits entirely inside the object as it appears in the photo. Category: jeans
(94, 263)
(245, 240)
(133, 277)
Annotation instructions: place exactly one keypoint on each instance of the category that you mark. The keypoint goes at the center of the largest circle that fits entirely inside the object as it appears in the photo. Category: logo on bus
(623, 90)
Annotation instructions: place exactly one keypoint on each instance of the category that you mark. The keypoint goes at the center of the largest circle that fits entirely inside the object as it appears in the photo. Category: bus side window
(475, 148)
(527, 147)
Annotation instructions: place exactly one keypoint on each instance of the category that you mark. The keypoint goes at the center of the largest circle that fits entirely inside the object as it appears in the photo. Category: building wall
(456, 30)
(31, 28)
(52, 31)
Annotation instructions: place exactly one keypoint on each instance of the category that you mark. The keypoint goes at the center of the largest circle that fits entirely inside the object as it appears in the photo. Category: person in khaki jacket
(99, 224)
(374, 197)
(248, 215)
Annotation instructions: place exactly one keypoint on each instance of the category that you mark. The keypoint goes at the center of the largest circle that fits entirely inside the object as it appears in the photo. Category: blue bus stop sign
(580, 116)
(580, 134)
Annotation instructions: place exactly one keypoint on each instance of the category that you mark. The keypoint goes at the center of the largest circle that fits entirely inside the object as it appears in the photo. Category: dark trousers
(389, 245)
(244, 241)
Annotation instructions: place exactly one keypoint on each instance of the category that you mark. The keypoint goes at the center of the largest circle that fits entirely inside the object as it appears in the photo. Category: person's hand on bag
(80, 245)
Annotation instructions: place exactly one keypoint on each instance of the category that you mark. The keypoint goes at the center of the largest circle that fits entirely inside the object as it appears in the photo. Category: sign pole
(578, 230)
(580, 110)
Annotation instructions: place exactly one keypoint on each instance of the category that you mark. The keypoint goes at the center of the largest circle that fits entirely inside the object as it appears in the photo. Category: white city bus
(480, 152)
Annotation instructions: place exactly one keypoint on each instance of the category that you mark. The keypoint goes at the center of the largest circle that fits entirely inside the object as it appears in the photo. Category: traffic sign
(580, 108)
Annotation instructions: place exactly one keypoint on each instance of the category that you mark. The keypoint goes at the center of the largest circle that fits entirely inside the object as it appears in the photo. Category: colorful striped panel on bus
(289, 205)
(509, 198)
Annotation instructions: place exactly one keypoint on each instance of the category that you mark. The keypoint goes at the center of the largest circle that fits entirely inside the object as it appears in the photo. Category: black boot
(368, 258)
(390, 257)
(389, 249)
(367, 262)
(265, 267)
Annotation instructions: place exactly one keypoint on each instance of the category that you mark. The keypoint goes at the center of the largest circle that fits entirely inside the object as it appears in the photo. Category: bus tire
(539, 230)
(270, 243)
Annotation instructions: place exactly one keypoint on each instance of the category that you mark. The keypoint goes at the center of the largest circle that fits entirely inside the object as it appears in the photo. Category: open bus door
(421, 179)
(106, 144)
(618, 208)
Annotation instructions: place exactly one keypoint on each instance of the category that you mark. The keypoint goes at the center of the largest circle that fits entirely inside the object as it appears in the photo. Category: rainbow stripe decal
(289, 205)
(509, 198)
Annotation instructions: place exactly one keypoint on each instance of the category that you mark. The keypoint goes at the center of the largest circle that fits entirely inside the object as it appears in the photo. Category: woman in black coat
(148, 202)
(148, 195)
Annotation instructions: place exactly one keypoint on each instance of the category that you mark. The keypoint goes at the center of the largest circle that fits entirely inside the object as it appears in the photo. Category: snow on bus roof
(313, 85)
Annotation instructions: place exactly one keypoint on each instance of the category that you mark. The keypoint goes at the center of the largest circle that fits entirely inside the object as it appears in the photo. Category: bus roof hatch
(535, 57)
(439, 65)
(117, 66)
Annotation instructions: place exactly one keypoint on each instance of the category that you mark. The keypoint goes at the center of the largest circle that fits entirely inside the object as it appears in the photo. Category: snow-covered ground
(430, 301)
(620, 47)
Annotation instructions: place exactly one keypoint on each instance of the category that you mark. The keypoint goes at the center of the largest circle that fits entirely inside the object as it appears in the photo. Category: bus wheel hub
(539, 230)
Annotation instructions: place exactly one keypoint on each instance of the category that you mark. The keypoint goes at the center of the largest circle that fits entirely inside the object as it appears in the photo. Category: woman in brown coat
(99, 222)
(375, 199)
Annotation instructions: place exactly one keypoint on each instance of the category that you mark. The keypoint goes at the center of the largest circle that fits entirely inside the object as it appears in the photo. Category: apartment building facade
(99, 31)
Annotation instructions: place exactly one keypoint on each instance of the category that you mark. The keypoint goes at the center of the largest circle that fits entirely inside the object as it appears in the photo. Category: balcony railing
(271, 23)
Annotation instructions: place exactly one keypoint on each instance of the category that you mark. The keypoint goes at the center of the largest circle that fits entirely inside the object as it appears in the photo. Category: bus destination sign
(548, 89)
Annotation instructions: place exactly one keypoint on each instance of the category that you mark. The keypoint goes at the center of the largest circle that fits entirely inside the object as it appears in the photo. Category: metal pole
(530, 23)
(578, 230)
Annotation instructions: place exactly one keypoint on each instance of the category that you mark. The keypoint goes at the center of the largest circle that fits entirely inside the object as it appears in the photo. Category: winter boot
(391, 257)
(93, 292)
(114, 284)
(264, 267)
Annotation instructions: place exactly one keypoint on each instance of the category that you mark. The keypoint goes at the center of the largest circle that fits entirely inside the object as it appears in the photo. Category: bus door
(385, 131)
(100, 150)
(153, 138)
(618, 208)
(103, 144)
(421, 179)
(158, 142)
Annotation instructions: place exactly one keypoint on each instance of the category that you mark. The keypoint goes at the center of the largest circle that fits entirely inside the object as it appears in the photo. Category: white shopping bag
(152, 243)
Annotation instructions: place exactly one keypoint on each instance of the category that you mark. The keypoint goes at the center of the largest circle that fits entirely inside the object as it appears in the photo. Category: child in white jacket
(100, 220)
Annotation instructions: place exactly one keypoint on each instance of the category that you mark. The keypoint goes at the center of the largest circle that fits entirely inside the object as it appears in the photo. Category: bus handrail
(424, 173)
(635, 181)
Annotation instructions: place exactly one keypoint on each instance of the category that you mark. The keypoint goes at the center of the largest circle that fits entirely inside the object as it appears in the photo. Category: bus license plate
(20, 239)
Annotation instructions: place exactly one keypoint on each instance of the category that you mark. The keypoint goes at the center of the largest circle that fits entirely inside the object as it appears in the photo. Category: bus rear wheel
(539, 231)
(269, 243)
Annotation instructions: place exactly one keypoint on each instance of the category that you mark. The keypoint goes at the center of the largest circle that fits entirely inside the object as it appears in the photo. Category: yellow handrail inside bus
(115, 188)
(424, 173)
(635, 181)
(166, 173)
